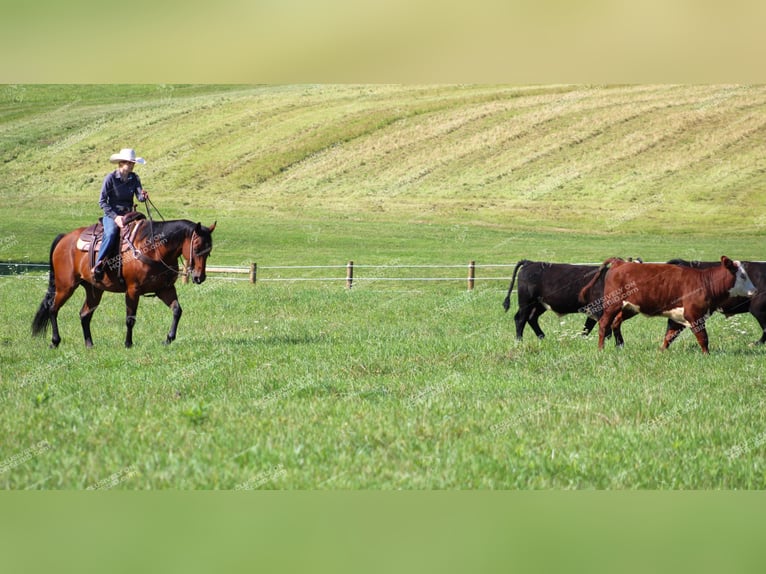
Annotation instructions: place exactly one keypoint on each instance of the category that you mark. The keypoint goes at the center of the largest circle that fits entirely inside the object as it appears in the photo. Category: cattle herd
(684, 292)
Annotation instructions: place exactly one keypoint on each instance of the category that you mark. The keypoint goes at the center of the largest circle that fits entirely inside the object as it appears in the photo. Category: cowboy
(117, 193)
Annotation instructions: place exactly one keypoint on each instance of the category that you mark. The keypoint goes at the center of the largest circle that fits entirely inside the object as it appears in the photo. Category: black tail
(43, 316)
(507, 302)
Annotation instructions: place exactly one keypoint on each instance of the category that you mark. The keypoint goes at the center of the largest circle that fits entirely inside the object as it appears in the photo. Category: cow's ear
(728, 263)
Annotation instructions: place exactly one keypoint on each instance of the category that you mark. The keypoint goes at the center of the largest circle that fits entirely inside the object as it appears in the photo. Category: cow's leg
(601, 333)
(605, 325)
(170, 298)
(701, 333)
(695, 318)
(92, 299)
(616, 328)
(760, 316)
(590, 322)
(131, 307)
(520, 318)
(671, 333)
(537, 310)
(624, 314)
(529, 314)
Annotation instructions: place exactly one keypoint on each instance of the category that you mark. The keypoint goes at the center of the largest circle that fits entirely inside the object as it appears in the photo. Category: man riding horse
(117, 193)
(150, 266)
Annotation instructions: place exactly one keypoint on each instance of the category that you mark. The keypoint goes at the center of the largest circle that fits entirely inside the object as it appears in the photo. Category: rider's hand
(119, 221)
(144, 194)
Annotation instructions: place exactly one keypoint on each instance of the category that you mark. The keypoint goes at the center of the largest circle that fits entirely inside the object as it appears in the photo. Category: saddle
(90, 238)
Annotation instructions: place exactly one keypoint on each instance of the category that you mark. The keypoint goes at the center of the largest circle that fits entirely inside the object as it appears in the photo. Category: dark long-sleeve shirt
(117, 195)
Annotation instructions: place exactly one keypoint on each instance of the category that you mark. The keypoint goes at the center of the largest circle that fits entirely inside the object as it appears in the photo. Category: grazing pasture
(313, 386)
(387, 385)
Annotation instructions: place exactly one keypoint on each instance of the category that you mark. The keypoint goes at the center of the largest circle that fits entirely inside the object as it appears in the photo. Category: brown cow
(687, 296)
(755, 305)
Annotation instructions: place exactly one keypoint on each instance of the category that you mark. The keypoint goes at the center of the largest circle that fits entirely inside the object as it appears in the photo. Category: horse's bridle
(192, 252)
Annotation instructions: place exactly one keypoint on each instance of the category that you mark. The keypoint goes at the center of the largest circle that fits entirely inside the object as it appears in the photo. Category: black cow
(755, 305)
(554, 286)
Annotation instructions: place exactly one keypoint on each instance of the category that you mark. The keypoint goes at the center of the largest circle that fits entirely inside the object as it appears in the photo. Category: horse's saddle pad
(95, 233)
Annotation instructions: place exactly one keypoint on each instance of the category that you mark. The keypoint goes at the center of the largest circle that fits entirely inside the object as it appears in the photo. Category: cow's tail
(43, 316)
(600, 272)
(507, 302)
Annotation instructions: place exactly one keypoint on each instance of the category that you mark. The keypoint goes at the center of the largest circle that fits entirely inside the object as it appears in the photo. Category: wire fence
(351, 273)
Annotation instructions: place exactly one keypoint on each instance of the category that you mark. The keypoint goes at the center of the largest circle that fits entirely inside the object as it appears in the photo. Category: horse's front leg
(170, 298)
(131, 307)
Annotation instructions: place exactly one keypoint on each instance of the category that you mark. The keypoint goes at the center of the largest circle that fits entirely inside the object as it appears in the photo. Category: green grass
(277, 386)
(671, 160)
(390, 385)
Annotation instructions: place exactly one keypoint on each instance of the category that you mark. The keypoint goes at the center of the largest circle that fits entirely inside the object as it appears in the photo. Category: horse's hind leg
(170, 298)
(63, 293)
(92, 299)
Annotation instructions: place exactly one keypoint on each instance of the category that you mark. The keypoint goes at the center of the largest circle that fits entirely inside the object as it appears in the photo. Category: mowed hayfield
(391, 384)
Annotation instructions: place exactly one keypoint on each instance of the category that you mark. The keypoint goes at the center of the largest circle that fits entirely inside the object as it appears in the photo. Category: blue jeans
(111, 237)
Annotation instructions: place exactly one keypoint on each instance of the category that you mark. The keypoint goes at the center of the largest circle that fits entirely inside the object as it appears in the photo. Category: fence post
(471, 274)
(253, 272)
(349, 274)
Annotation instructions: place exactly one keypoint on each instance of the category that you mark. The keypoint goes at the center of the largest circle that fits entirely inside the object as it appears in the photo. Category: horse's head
(200, 244)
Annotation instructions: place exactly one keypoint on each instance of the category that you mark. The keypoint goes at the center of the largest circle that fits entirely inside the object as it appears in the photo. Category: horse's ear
(212, 227)
(198, 228)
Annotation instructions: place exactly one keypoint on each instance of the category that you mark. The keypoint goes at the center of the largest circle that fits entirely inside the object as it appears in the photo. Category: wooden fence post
(253, 272)
(349, 275)
(471, 274)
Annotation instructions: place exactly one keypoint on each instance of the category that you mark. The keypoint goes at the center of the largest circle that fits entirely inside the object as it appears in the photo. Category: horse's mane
(167, 230)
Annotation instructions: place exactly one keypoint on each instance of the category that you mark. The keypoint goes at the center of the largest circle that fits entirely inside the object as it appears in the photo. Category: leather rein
(139, 253)
(145, 259)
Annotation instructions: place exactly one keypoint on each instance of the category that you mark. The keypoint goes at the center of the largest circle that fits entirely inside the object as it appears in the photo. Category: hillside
(578, 159)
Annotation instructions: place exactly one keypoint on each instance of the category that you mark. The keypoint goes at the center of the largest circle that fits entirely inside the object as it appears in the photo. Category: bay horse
(151, 267)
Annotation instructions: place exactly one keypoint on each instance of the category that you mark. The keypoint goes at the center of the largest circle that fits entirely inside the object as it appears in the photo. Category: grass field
(317, 387)
(388, 385)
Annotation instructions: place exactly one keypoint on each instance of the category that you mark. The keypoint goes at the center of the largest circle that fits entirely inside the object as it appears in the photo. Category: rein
(149, 202)
(138, 254)
(190, 261)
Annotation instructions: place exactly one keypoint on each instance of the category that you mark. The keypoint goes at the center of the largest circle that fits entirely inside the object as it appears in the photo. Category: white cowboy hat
(126, 154)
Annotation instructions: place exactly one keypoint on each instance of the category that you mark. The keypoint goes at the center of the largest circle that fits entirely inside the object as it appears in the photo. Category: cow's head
(743, 286)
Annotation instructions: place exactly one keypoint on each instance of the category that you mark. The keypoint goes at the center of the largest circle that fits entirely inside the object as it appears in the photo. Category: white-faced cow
(755, 305)
(686, 295)
(553, 286)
